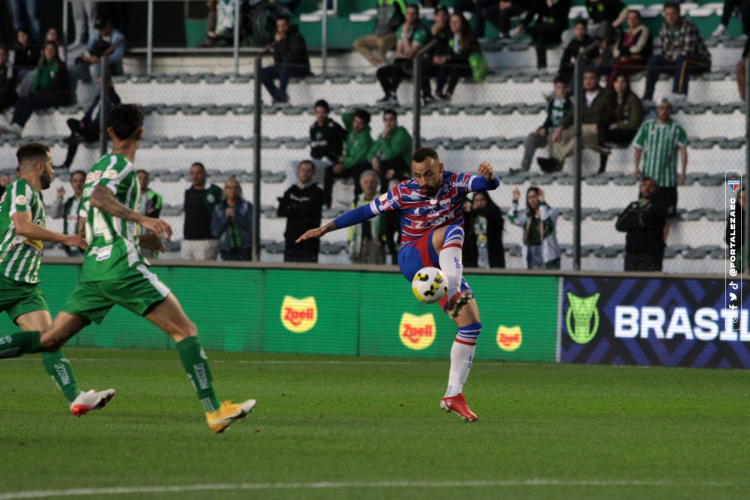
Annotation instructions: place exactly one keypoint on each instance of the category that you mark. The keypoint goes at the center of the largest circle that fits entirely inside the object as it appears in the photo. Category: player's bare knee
(183, 330)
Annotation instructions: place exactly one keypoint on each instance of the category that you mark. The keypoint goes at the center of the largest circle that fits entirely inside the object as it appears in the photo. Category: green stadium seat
(275, 247)
(212, 79)
(716, 215)
(699, 253)
(173, 176)
(272, 177)
(735, 143)
(513, 249)
(718, 253)
(335, 248)
(711, 180)
(609, 252)
(587, 250)
(606, 215)
(173, 246)
(694, 215)
(172, 210)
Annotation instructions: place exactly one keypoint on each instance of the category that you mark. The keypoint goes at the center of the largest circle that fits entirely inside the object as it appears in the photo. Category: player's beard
(430, 190)
(46, 179)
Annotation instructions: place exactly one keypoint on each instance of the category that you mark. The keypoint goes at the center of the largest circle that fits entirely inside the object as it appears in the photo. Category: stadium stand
(197, 110)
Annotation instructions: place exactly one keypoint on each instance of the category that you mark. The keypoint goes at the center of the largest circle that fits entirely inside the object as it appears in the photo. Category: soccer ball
(429, 285)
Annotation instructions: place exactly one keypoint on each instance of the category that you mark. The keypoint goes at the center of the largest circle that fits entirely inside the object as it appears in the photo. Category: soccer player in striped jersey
(115, 272)
(22, 233)
(432, 234)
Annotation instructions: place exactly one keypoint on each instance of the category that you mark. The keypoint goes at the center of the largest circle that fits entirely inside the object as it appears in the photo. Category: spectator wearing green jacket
(355, 158)
(390, 155)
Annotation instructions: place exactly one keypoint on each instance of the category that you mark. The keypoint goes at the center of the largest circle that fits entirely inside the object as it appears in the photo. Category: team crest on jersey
(383, 197)
(414, 196)
(20, 200)
(210, 198)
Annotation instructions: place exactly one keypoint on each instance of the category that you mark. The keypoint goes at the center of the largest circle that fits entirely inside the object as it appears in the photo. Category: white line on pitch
(324, 485)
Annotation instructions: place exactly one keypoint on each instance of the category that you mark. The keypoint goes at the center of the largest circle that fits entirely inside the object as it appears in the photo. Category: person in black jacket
(302, 205)
(8, 95)
(577, 48)
(87, 128)
(484, 233)
(644, 222)
(26, 54)
(499, 14)
(290, 60)
(551, 20)
(557, 108)
(455, 64)
(51, 87)
(326, 137)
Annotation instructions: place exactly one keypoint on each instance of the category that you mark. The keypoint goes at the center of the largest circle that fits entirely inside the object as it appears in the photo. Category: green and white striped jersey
(660, 144)
(20, 256)
(113, 242)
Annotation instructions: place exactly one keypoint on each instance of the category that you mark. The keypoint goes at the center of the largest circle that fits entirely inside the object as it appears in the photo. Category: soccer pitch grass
(371, 428)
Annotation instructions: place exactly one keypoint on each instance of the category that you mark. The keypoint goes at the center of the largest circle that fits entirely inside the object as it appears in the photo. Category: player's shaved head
(126, 122)
(427, 169)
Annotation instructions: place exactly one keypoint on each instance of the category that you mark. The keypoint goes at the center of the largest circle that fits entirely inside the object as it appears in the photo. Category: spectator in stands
(366, 239)
(557, 109)
(739, 7)
(354, 160)
(290, 60)
(151, 203)
(539, 222)
(609, 12)
(8, 95)
(483, 221)
(54, 37)
(390, 157)
(326, 137)
(500, 13)
(107, 42)
(683, 54)
(23, 9)
(604, 45)
(49, 88)
(232, 223)
(302, 205)
(87, 129)
(578, 48)
(200, 199)
(440, 31)
(4, 183)
(623, 114)
(657, 143)
(739, 230)
(68, 209)
(84, 18)
(477, 7)
(644, 222)
(27, 54)
(563, 136)
(411, 37)
(390, 154)
(220, 22)
(633, 48)
(551, 20)
(390, 15)
(458, 63)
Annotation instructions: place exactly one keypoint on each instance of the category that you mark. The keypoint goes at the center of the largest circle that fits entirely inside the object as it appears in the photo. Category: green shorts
(17, 298)
(138, 290)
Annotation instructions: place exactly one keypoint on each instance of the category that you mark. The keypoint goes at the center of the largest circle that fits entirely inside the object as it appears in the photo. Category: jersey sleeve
(682, 139)
(114, 175)
(480, 183)
(640, 137)
(388, 201)
(420, 37)
(21, 196)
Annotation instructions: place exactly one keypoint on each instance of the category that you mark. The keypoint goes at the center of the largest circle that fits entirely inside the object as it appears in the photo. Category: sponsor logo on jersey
(509, 338)
(2, 198)
(93, 176)
(582, 312)
(101, 253)
(20, 200)
(111, 174)
(36, 246)
(299, 315)
(417, 332)
(383, 197)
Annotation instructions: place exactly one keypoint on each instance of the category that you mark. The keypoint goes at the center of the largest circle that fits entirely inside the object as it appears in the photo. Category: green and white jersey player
(22, 235)
(115, 273)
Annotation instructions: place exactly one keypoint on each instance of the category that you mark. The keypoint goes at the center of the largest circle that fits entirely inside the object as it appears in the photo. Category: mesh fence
(204, 112)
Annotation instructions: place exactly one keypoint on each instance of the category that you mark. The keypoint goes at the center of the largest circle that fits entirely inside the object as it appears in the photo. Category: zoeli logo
(417, 332)
(509, 338)
(583, 311)
(297, 315)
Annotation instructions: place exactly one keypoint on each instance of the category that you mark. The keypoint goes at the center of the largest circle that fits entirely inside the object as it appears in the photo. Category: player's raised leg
(170, 317)
(462, 356)
(448, 242)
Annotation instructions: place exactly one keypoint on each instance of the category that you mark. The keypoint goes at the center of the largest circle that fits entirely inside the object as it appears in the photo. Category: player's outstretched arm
(25, 227)
(488, 180)
(318, 232)
(350, 218)
(103, 199)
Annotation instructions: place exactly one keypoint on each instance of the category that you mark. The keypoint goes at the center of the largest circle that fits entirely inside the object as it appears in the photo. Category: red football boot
(457, 404)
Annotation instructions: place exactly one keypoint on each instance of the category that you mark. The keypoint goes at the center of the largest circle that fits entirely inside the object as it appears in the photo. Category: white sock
(461, 357)
(450, 259)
